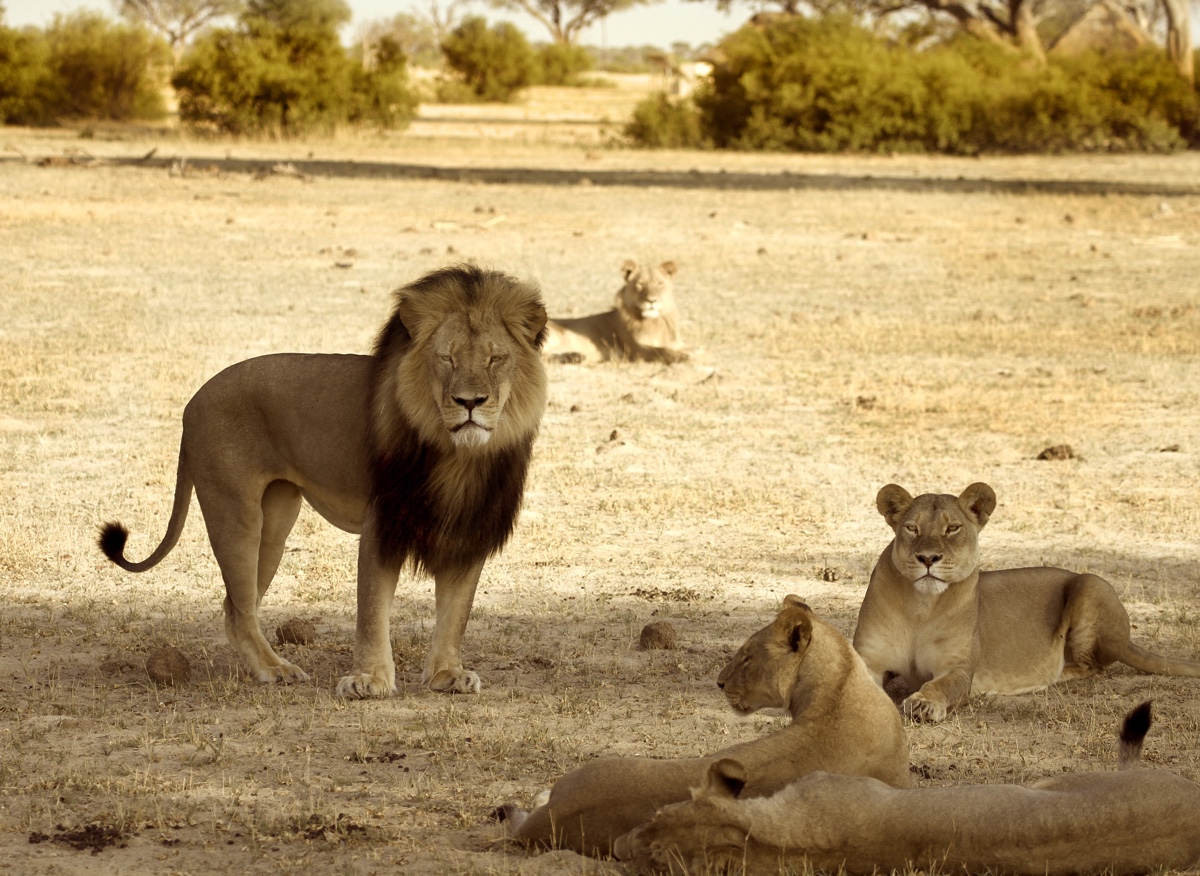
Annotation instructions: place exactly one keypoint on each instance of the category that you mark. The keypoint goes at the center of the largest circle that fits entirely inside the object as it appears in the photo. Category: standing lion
(421, 448)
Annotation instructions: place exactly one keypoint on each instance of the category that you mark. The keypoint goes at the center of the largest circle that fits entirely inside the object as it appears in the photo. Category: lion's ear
(628, 268)
(979, 500)
(724, 779)
(669, 268)
(794, 601)
(531, 321)
(893, 502)
(793, 626)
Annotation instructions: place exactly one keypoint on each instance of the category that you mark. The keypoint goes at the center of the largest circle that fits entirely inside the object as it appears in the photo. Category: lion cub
(933, 627)
(841, 722)
(643, 325)
(1125, 822)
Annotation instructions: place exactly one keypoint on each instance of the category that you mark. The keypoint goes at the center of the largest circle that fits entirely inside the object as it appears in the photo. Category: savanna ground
(846, 339)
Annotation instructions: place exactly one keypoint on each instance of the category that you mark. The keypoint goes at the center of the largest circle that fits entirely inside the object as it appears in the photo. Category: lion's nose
(929, 559)
(470, 403)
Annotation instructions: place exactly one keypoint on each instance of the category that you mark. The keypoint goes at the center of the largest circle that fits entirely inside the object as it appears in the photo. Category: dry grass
(857, 338)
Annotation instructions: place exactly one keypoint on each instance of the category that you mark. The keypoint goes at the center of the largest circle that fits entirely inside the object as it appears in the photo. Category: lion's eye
(446, 359)
(911, 527)
(497, 359)
(953, 528)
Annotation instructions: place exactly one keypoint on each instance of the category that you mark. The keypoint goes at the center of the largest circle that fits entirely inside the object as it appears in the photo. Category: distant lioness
(643, 326)
(421, 447)
(933, 628)
(1132, 821)
(841, 722)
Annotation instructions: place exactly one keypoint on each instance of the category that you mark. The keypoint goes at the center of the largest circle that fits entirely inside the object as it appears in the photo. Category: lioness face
(647, 292)
(937, 536)
(762, 673)
(472, 371)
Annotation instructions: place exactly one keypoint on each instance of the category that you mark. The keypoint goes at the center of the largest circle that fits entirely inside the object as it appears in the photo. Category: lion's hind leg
(1094, 627)
(236, 535)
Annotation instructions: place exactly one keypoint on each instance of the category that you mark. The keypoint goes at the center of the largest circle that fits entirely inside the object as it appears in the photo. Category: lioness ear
(893, 503)
(794, 626)
(628, 268)
(724, 779)
(980, 501)
(794, 601)
(669, 268)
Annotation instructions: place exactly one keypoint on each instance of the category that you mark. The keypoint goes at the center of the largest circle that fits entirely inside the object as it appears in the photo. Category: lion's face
(937, 536)
(762, 674)
(472, 370)
(648, 293)
(702, 835)
(470, 374)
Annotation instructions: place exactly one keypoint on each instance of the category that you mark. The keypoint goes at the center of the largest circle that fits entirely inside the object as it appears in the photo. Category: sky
(658, 24)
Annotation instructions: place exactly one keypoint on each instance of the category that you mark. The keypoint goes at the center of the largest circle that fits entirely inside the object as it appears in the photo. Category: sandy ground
(844, 340)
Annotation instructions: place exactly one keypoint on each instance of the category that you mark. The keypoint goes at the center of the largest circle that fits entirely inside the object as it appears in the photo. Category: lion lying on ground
(1132, 821)
(933, 627)
(643, 326)
(421, 447)
(841, 722)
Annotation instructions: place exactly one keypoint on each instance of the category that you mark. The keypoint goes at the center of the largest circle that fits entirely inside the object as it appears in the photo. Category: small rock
(1058, 451)
(168, 666)
(296, 631)
(658, 636)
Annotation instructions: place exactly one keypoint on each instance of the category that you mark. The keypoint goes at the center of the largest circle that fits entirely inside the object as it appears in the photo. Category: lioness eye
(911, 527)
(953, 528)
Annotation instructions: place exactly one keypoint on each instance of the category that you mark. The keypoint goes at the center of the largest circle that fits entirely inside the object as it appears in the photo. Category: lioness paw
(461, 681)
(921, 708)
(364, 685)
(284, 673)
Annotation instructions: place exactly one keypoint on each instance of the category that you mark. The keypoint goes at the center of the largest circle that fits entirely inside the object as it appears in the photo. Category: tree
(495, 62)
(414, 34)
(176, 20)
(1179, 37)
(565, 19)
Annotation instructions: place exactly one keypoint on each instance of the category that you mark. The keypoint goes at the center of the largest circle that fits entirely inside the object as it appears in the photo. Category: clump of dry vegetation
(982, 328)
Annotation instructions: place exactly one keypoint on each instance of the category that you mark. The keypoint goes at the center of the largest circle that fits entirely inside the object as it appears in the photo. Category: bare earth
(846, 339)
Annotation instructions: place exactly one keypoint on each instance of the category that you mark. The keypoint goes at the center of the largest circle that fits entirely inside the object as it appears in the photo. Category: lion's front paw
(920, 707)
(364, 685)
(284, 673)
(454, 681)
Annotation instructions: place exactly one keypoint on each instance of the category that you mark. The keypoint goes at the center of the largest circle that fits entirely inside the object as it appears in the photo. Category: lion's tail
(1133, 731)
(113, 535)
(1147, 661)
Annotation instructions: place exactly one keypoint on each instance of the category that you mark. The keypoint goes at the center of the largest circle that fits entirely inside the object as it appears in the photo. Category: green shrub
(27, 93)
(104, 70)
(661, 123)
(561, 64)
(495, 62)
(824, 85)
(282, 71)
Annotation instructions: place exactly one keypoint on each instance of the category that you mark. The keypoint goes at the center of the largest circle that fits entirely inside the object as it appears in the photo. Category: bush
(660, 123)
(828, 85)
(560, 64)
(27, 93)
(103, 70)
(494, 62)
(285, 73)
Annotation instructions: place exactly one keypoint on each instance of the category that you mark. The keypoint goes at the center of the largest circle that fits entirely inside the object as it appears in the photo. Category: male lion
(1131, 821)
(841, 722)
(421, 448)
(643, 326)
(934, 628)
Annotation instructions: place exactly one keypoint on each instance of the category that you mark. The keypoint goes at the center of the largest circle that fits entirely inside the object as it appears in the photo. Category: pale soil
(847, 340)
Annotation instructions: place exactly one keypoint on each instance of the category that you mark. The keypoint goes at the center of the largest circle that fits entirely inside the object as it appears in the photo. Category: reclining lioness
(1132, 821)
(842, 722)
(933, 628)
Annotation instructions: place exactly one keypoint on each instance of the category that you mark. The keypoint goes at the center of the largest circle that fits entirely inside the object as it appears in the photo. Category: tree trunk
(1025, 28)
(1179, 37)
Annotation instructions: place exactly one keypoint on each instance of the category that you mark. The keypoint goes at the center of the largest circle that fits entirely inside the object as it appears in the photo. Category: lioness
(421, 447)
(1132, 821)
(643, 326)
(934, 628)
(841, 722)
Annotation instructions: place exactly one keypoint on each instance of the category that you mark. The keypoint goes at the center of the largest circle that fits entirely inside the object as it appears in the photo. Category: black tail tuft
(1136, 724)
(112, 541)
